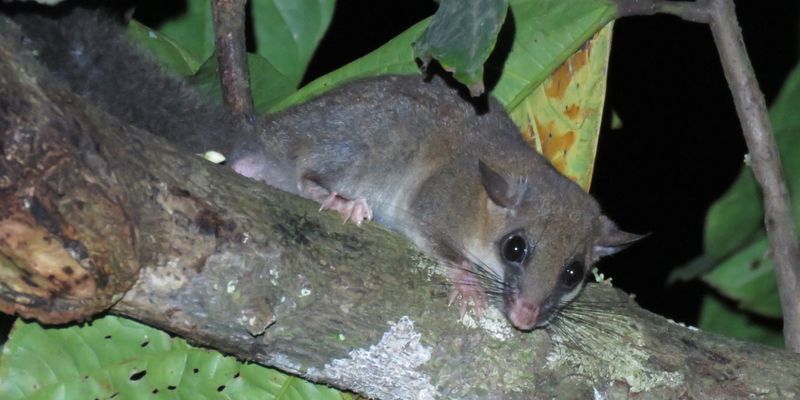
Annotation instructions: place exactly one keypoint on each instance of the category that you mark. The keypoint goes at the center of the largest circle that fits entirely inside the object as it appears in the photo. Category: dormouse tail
(88, 49)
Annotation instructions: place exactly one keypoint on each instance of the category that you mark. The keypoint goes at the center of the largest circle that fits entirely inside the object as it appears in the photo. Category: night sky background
(680, 145)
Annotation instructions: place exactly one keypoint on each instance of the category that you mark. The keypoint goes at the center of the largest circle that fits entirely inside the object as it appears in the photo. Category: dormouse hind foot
(356, 210)
(466, 287)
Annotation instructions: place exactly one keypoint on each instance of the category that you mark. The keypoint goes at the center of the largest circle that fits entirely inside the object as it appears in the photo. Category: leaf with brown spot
(561, 118)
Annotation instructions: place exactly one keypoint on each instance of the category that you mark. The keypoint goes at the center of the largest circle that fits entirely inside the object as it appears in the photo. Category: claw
(329, 201)
(356, 210)
(466, 287)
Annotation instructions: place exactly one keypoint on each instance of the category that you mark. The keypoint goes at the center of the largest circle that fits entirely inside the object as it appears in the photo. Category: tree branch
(229, 22)
(764, 156)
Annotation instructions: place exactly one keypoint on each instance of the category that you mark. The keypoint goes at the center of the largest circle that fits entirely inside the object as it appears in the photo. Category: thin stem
(229, 18)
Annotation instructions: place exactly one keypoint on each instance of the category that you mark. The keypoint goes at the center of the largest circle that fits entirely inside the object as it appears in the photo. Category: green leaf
(736, 240)
(115, 357)
(267, 85)
(716, 317)
(733, 219)
(165, 49)
(747, 277)
(193, 30)
(783, 112)
(561, 119)
(287, 32)
(691, 270)
(616, 120)
(547, 32)
(461, 36)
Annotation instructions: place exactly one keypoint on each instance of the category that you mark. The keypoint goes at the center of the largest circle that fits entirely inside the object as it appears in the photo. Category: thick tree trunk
(98, 214)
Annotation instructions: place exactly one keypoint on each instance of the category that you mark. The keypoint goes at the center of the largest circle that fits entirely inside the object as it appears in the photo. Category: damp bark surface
(115, 218)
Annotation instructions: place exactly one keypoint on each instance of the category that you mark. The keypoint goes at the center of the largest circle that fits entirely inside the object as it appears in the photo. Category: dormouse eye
(514, 249)
(573, 274)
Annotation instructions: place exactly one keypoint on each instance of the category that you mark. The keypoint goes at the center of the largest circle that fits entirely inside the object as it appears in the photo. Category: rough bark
(231, 264)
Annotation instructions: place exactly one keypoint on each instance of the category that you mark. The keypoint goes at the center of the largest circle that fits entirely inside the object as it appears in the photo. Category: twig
(765, 160)
(230, 42)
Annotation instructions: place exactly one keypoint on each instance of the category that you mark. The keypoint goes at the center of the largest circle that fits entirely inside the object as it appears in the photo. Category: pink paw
(356, 210)
(466, 287)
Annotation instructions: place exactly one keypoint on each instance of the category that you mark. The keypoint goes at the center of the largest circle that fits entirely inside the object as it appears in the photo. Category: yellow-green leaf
(561, 118)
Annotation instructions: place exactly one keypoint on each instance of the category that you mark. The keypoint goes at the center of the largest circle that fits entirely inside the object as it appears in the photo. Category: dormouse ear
(612, 239)
(504, 193)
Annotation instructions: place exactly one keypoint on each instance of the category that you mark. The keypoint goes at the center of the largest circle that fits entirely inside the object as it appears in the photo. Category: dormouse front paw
(466, 287)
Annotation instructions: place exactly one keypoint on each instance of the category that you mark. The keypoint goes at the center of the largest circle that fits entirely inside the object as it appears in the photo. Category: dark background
(680, 145)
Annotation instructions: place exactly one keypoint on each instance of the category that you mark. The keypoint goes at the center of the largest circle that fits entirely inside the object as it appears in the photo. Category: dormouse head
(542, 234)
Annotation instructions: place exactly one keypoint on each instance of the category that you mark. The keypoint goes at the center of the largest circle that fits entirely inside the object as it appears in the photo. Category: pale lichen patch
(681, 324)
(174, 280)
(611, 356)
(389, 369)
(284, 363)
(231, 286)
(492, 321)
(274, 274)
(427, 266)
(597, 395)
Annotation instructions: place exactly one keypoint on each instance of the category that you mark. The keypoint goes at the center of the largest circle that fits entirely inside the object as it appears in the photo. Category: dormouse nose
(523, 314)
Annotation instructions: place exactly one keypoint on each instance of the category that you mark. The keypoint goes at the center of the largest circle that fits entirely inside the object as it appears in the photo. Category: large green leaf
(561, 118)
(716, 317)
(288, 31)
(783, 112)
(121, 359)
(547, 32)
(165, 49)
(193, 30)
(461, 36)
(747, 276)
(734, 219)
